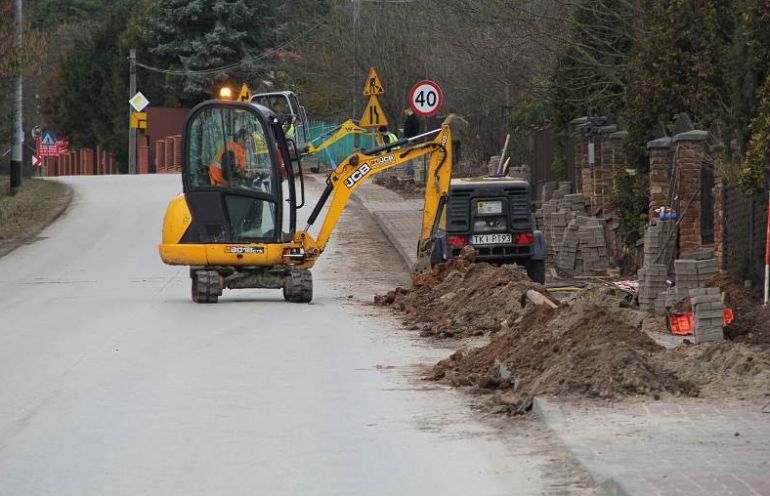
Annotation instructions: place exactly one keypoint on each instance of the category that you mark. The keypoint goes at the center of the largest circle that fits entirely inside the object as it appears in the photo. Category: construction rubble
(593, 345)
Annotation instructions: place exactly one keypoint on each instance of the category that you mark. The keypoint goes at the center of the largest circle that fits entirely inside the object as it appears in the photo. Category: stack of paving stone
(521, 172)
(654, 274)
(575, 202)
(652, 282)
(566, 251)
(583, 249)
(657, 238)
(554, 190)
(708, 314)
(592, 247)
(493, 166)
(576, 242)
(692, 274)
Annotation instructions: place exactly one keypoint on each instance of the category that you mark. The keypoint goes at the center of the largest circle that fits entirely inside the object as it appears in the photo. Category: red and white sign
(426, 98)
(49, 146)
(62, 146)
(36, 161)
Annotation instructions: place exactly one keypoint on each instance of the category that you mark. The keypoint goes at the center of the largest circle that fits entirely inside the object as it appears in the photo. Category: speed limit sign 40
(426, 98)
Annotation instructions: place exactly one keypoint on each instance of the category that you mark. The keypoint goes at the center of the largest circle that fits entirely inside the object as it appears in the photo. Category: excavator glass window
(232, 175)
(229, 149)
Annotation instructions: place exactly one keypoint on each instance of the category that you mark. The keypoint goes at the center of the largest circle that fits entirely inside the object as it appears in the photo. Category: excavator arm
(346, 128)
(363, 165)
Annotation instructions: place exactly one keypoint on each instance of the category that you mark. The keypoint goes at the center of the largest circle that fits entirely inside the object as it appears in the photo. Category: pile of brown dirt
(593, 347)
(751, 322)
(584, 349)
(460, 298)
(722, 370)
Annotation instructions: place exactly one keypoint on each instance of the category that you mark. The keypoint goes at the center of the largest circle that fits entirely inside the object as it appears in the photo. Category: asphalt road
(112, 382)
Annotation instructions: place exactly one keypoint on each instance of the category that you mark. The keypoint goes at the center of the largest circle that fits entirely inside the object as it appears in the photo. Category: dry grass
(35, 206)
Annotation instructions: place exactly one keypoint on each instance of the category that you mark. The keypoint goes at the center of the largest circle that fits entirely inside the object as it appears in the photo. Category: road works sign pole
(132, 130)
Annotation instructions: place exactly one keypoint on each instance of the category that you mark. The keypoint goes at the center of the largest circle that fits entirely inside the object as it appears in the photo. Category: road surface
(112, 382)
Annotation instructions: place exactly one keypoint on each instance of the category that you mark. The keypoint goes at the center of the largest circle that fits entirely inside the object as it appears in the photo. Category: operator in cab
(229, 163)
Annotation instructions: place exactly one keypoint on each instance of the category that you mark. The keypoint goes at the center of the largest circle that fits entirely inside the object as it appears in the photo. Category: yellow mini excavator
(235, 225)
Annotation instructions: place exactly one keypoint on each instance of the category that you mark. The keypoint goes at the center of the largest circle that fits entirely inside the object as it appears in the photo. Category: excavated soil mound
(751, 322)
(592, 347)
(583, 349)
(460, 298)
(726, 370)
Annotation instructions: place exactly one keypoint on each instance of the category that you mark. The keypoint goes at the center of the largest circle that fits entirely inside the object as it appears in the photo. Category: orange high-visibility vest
(215, 168)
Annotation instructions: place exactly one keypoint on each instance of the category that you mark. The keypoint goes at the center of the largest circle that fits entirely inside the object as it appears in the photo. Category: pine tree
(200, 35)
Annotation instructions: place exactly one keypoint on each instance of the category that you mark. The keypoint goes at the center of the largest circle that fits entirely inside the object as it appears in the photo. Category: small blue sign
(47, 138)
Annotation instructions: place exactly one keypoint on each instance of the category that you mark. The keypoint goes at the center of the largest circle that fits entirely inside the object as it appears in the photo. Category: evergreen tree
(750, 66)
(200, 35)
(680, 64)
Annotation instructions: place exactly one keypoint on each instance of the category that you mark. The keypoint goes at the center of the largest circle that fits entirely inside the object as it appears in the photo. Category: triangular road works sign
(373, 85)
(373, 116)
(244, 95)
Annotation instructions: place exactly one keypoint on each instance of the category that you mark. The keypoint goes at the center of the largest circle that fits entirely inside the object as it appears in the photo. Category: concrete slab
(667, 448)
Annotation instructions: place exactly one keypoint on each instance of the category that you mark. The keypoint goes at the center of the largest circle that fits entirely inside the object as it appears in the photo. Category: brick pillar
(143, 155)
(99, 161)
(689, 154)
(168, 158)
(178, 153)
(660, 154)
(160, 156)
(88, 162)
(619, 158)
(719, 214)
(603, 169)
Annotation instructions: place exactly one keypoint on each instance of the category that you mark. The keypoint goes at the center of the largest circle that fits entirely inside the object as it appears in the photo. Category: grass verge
(22, 216)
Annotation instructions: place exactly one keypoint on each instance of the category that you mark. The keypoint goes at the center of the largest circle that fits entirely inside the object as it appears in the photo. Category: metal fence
(339, 150)
(745, 223)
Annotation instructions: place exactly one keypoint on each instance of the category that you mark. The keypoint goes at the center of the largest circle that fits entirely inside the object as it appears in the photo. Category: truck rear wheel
(298, 286)
(206, 286)
(536, 270)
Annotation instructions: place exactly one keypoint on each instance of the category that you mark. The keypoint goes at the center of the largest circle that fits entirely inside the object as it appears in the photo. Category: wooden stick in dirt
(539, 299)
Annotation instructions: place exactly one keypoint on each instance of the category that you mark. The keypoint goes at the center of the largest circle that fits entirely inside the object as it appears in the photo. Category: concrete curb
(552, 418)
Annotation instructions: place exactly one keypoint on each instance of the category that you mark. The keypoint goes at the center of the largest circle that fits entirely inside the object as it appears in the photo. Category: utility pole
(131, 131)
(18, 129)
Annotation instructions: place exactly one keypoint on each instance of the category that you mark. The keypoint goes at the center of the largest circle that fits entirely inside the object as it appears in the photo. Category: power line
(204, 72)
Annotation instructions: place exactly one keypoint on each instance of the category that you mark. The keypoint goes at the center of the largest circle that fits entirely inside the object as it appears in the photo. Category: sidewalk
(399, 218)
(665, 448)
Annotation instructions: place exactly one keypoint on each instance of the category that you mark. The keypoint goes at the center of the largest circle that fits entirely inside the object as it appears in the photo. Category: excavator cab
(237, 184)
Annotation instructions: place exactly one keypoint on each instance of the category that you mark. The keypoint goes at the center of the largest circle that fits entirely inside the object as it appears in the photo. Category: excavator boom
(345, 129)
(364, 164)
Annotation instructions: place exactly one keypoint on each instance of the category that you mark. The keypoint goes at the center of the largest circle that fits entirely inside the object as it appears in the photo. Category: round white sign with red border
(426, 98)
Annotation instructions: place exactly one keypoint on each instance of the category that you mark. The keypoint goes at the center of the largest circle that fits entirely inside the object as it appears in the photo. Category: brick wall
(690, 149)
(660, 167)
